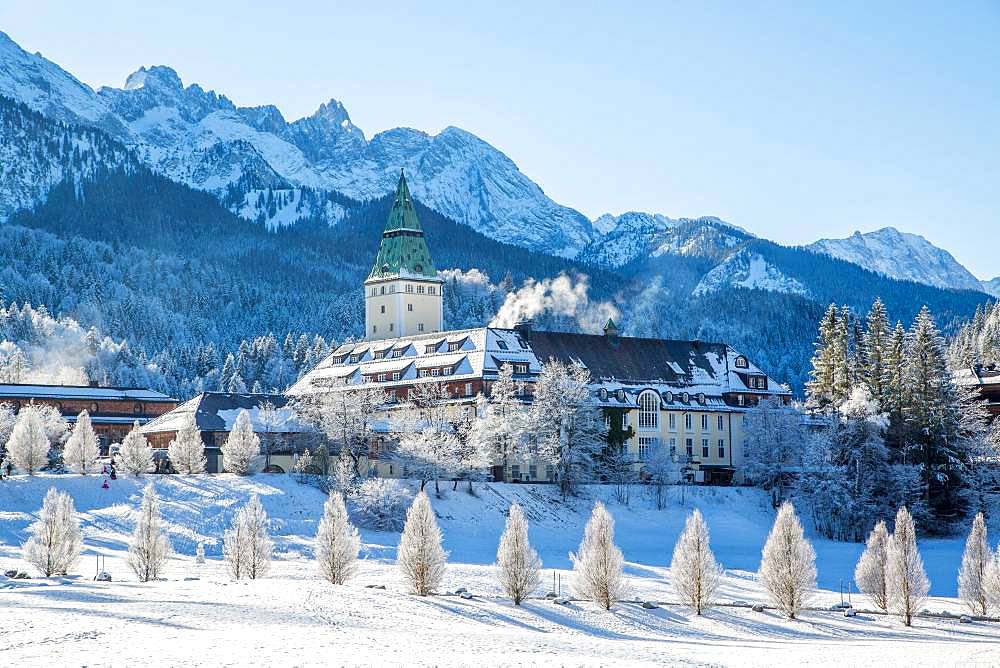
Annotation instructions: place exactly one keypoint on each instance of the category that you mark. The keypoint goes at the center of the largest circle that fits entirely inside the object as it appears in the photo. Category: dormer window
(397, 353)
(419, 268)
(521, 342)
(685, 397)
(355, 358)
(430, 349)
(454, 345)
(668, 397)
(446, 371)
(380, 355)
(520, 367)
(502, 345)
(701, 398)
(741, 362)
(620, 395)
(603, 394)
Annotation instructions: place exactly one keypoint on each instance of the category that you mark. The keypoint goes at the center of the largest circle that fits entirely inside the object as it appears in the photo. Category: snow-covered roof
(217, 411)
(16, 390)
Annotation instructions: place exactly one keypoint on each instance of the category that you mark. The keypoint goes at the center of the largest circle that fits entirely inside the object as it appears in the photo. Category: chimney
(610, 329)
(523, 329)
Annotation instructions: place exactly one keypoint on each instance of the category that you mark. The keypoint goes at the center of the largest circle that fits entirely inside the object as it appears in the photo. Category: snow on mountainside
(747, 269)
(992, 286)
(635, 236)
(900, 255)
(202, 139)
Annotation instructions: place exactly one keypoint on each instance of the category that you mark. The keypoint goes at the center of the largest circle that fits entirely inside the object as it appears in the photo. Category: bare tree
(695, 574)
(908, 584)
(420, 556)
(150, 548)
(518, 565)
(55, 539)
(788, 563)
(975, 564)
(870, 573)
(337, 542)
(81, 450)
(498, 432)
(187, 450)
(345, 415)
(598, 563)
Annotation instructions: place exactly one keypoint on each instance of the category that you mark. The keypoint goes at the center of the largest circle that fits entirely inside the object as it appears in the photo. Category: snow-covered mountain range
(901, 255)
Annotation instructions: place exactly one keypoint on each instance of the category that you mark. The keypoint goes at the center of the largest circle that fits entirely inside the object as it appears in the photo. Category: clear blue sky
(794, 120)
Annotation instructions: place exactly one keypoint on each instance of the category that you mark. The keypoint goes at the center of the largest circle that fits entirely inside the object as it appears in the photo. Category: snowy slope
(992, 286)
(900, 255)
(747, 269)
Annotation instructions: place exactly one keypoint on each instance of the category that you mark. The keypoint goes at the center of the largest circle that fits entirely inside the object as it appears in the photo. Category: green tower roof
(404, 250)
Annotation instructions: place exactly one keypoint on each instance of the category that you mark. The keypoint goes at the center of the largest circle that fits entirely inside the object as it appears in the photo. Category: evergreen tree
(695, 574)
(81, 450)
(876, 350)
(518, 566)
(149, 548)
(55, 539)
(972, 576)
(337, 542)
(821, 389)
(598, 573)
(420, 557)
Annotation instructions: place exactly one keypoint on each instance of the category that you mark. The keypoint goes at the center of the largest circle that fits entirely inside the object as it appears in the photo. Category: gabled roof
(403, 252)
(217, 411)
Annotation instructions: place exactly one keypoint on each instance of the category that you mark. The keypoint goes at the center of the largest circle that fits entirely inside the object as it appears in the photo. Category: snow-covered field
(198, 616)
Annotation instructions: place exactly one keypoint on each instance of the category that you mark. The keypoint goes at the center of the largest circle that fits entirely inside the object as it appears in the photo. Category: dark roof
(206, 408)
(632, 358)
(38, 391)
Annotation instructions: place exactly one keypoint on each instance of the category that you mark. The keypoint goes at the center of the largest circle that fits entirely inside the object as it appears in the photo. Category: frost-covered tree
(344, 477)
(695, 574)
(420, 557)
(991, 581)
(831, 362)
(247, 545)
(149, 549)
(518, 566)
(242, 446)
(8, 418)
(569, 428)
(28, 446)
(788, 563)
(774, 437)
(135, 455)
(907, 580)
(429, 453)
(875, 371)
(187, 450)
(303, 463)
(54, 542)
(81, 450)
(345, 415)
(973, 573)
(598, 564)
(498, 431)
(381, 504)
(870, 571)
(337, 542)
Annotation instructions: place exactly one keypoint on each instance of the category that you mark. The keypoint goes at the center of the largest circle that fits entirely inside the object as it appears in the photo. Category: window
(719, 423)
(685, 397)
(379, 354)
(420, 289)
(409, 288)
(722, 448)
(430, 349)
(701, 398)
(420, 327)
(532, 471)
(357, 358)
(374, 329)
(446, 371)
(382, 308)
(435, 371)
(392, 288)
(704, 422)
(521, 342)
(624, 421)
(603, 394)
(454, 345)
(704, 448)
(502, 345)
(668, 397)
(739, 399)
(395, 376)
(424, 373)
(689, 446)
(93, 406)
(391, 326)
(687, 421)
(383, 290)
(550, 471)
(673, 447)
(397, 353)
(520, 368)
(515, 471)
(672, 420)
(647, 444)
(381, 378)
(409, 307)
(431, 290)
(649, 410)
(468, 389)
(741, 362)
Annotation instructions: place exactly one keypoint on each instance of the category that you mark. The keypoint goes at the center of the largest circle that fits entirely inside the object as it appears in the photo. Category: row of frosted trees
(890, 571)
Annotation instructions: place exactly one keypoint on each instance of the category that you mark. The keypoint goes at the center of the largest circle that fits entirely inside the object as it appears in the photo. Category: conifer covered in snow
(81, 450)
(830, 381)
(908, 584)
(28, 445)
(135, 455)
(420, 557)
(55, 538)
(788, 563)
(242, 446)
(598, 573)
(518, 566)
(337, 542)
(149, 548)
(870, 572)
(187, 450)
(972, 576)
(247, 545)
(695, 574)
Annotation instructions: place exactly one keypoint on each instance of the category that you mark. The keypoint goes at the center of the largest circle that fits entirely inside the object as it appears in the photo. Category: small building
(113, 410)
(282, 437)
(986, 380)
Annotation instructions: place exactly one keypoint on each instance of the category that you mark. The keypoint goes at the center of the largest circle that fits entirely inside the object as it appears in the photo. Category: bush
(381, 504)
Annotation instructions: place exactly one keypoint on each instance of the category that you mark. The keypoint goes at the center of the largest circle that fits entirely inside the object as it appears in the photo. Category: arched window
(741, 362)
(649, 410)
(603, 394)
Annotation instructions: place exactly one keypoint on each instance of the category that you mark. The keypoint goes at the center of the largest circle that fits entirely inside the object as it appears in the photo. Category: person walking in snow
(105, 485)
(114, 476)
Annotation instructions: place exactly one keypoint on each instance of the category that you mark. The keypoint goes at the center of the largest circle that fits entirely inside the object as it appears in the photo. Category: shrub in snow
(788, 563)
(382, 504)
(870, 572)
(81, 450)
(187, 450)
(695, 573)
(518, 566)
(420, 556)
(54, 545)
(150, 548)
(975, 564)
(135, 455)
(908, 584)
(337, 542)
(28, 446)
(247, 545)
(597, 565)
(242, 446)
